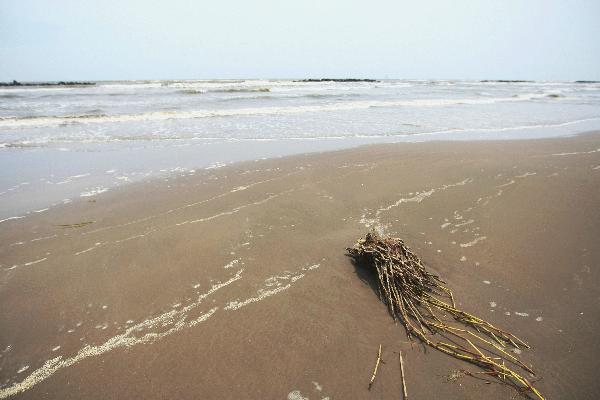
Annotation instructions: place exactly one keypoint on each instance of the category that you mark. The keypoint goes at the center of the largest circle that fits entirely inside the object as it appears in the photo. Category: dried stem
(419, 299)
(376, 366)
(402, 374)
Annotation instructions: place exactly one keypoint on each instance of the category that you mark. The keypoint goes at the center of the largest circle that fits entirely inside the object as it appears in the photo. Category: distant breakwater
(36, 84)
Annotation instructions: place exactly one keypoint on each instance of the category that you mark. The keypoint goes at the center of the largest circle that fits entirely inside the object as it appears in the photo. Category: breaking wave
(53, 120)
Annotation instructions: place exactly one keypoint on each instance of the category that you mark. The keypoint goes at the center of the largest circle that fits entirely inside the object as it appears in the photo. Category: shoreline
(80, 174)
(239, 271)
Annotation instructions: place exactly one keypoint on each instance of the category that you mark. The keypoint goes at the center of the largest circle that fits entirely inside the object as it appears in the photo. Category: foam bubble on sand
(487, 282)
(465, 223)
(35, 262)
(512, 181)
(473, 242)
(318, 387)
(261, 294)
(27, 264)
(96, 245)
(56, 348)
(417, 198)
(521, 314)
(176, 318)
(493, 304)
(278, 283)
(143, 333)
(296, 395)
(526, 174)
(23, 369)
(311, 267)
(231, 264)
(539, 319)
(463, 258)
(43, 238)
(234, 210)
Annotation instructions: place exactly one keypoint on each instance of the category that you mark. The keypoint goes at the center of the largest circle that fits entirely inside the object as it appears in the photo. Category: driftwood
(421, 301)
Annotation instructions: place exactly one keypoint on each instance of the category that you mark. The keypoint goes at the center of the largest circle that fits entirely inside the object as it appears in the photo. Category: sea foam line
(473, 242)
(419, 197)
(27, 264)
(185, 206)
(11, 218)
(177, 318)
(577, 152)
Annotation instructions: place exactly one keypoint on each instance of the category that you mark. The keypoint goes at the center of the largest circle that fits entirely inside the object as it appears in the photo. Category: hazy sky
(146, 39)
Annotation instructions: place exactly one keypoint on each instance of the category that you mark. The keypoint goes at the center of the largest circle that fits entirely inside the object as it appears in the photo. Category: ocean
(58, 144)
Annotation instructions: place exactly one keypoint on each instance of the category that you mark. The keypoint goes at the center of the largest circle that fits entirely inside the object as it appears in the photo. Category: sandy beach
(234, 282)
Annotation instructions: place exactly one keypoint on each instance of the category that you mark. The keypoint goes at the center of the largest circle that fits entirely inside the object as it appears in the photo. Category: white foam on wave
(94, 192)
(72, 177)
(274, 110)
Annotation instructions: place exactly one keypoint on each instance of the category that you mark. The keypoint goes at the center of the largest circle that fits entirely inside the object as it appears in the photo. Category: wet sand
(233, 283)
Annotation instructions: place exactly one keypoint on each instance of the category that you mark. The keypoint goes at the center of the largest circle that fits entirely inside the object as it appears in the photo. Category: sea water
(61, 143)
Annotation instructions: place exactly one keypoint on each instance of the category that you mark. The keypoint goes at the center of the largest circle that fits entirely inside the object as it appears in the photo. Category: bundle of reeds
(421, 301)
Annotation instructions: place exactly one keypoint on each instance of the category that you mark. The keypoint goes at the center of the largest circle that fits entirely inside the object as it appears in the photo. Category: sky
(42, 40)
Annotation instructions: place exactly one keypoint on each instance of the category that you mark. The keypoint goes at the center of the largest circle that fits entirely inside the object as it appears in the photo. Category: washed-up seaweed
(425, 306)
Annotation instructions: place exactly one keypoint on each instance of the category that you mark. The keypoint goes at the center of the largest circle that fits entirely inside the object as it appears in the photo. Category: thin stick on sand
(421, 301)
(402, 374)
(376, 366)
